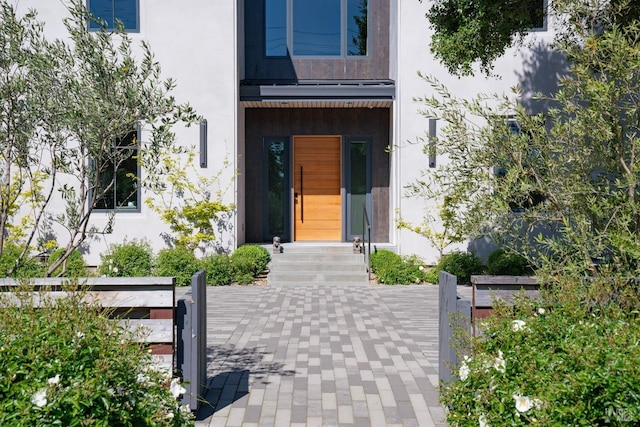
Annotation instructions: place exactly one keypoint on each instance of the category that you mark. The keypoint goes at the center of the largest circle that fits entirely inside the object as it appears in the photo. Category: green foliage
(440, 227)
(566, 196)
(244, 264)
(177, 262)
(12, 264)
(461, 264)
(67, 364)
(476, 32)
(391, 268)
(73, 266)
(220, 270)
(504, 262)
(432, 276)
(127, 259)
(384, 260)
(467, 32)
(64, 103)
(573, 360)
(251, 259)
(190, 208)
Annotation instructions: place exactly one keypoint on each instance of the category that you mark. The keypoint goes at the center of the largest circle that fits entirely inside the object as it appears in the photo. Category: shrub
(432, 276)
(502, 262)
(29, 269)
(251, 259)
(460, 264)
(392, 268)
(219, 269)
(128, 259)
(384, 264)
(74, 266)
(243, 278)
(177, 262)
(562, 363)
(66, 364)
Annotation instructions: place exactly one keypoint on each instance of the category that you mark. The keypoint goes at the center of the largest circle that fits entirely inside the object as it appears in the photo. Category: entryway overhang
(317, 94)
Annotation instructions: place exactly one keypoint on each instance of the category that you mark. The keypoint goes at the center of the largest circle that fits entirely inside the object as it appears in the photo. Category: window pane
(126, 183)
(127, 12)
(358, 185)
(101, 9)
(276, 27)
(105, 199)
(129, 140)
(276, 164)
(357, 27)
(117, 182)
(110, 10)
(537, 13)
(316, 27)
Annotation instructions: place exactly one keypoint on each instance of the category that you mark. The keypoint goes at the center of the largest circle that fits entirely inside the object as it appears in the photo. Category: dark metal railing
(366, 237)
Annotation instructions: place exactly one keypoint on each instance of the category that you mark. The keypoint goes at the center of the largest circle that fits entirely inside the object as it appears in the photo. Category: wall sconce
(432, 143)
(203, 143)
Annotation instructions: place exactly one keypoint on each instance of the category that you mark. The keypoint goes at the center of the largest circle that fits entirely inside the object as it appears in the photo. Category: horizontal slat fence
(135, 302)
(460, 313)
(486, 289)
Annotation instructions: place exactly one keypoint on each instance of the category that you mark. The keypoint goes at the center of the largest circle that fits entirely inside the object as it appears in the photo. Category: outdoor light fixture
(203, 143)
(432, 143)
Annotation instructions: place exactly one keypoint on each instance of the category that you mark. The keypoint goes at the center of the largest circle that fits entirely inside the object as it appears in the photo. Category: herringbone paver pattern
(322, 355)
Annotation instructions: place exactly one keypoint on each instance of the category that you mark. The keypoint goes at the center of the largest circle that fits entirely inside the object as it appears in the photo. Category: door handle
(301, 196)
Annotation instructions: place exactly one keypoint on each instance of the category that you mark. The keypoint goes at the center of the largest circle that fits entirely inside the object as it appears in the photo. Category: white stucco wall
(199, 43)
(409, 160)
(195, 43)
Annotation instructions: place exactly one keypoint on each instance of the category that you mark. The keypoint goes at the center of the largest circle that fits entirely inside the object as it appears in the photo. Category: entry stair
(317, 264)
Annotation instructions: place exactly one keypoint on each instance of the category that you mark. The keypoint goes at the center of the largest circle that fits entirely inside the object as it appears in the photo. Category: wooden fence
(136, 302)
(191, 355)
(454, 314)
(460, 314)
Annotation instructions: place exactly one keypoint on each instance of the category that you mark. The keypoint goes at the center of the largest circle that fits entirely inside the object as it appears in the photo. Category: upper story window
(316, 27)
(538, 14)
(526, 199)
(109, 11)
(117, 180)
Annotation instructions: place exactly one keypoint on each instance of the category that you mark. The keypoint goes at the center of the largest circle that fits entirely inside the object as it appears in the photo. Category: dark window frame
(345, 43)
(133, 203)
(348, 233)
(539, 15)
(111, 22)
(499, 171)
(286, 235)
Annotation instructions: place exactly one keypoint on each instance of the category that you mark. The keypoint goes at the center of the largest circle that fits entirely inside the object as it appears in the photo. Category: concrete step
(317, 257)
(324, 283)
(342, 248)
(318, 266)
(316, 277)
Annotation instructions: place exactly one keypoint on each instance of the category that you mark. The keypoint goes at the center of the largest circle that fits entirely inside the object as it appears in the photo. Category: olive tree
(68, 110)
(562, 186)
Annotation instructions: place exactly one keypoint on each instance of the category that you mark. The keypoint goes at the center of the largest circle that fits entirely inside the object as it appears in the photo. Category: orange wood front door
(316, 185)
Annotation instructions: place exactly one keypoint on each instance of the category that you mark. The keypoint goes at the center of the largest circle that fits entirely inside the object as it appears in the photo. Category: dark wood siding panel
(373, 67)
(288, 122)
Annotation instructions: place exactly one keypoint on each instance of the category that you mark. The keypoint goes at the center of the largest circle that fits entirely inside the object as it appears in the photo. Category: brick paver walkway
(322, 355)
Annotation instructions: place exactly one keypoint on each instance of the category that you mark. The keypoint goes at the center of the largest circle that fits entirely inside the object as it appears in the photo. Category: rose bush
(572, 360)
(65, 363)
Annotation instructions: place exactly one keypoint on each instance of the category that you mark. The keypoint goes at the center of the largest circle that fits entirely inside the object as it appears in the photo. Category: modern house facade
(311, 102)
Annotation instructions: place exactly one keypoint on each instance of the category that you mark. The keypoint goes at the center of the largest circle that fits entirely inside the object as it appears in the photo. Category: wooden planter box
(486, 289)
